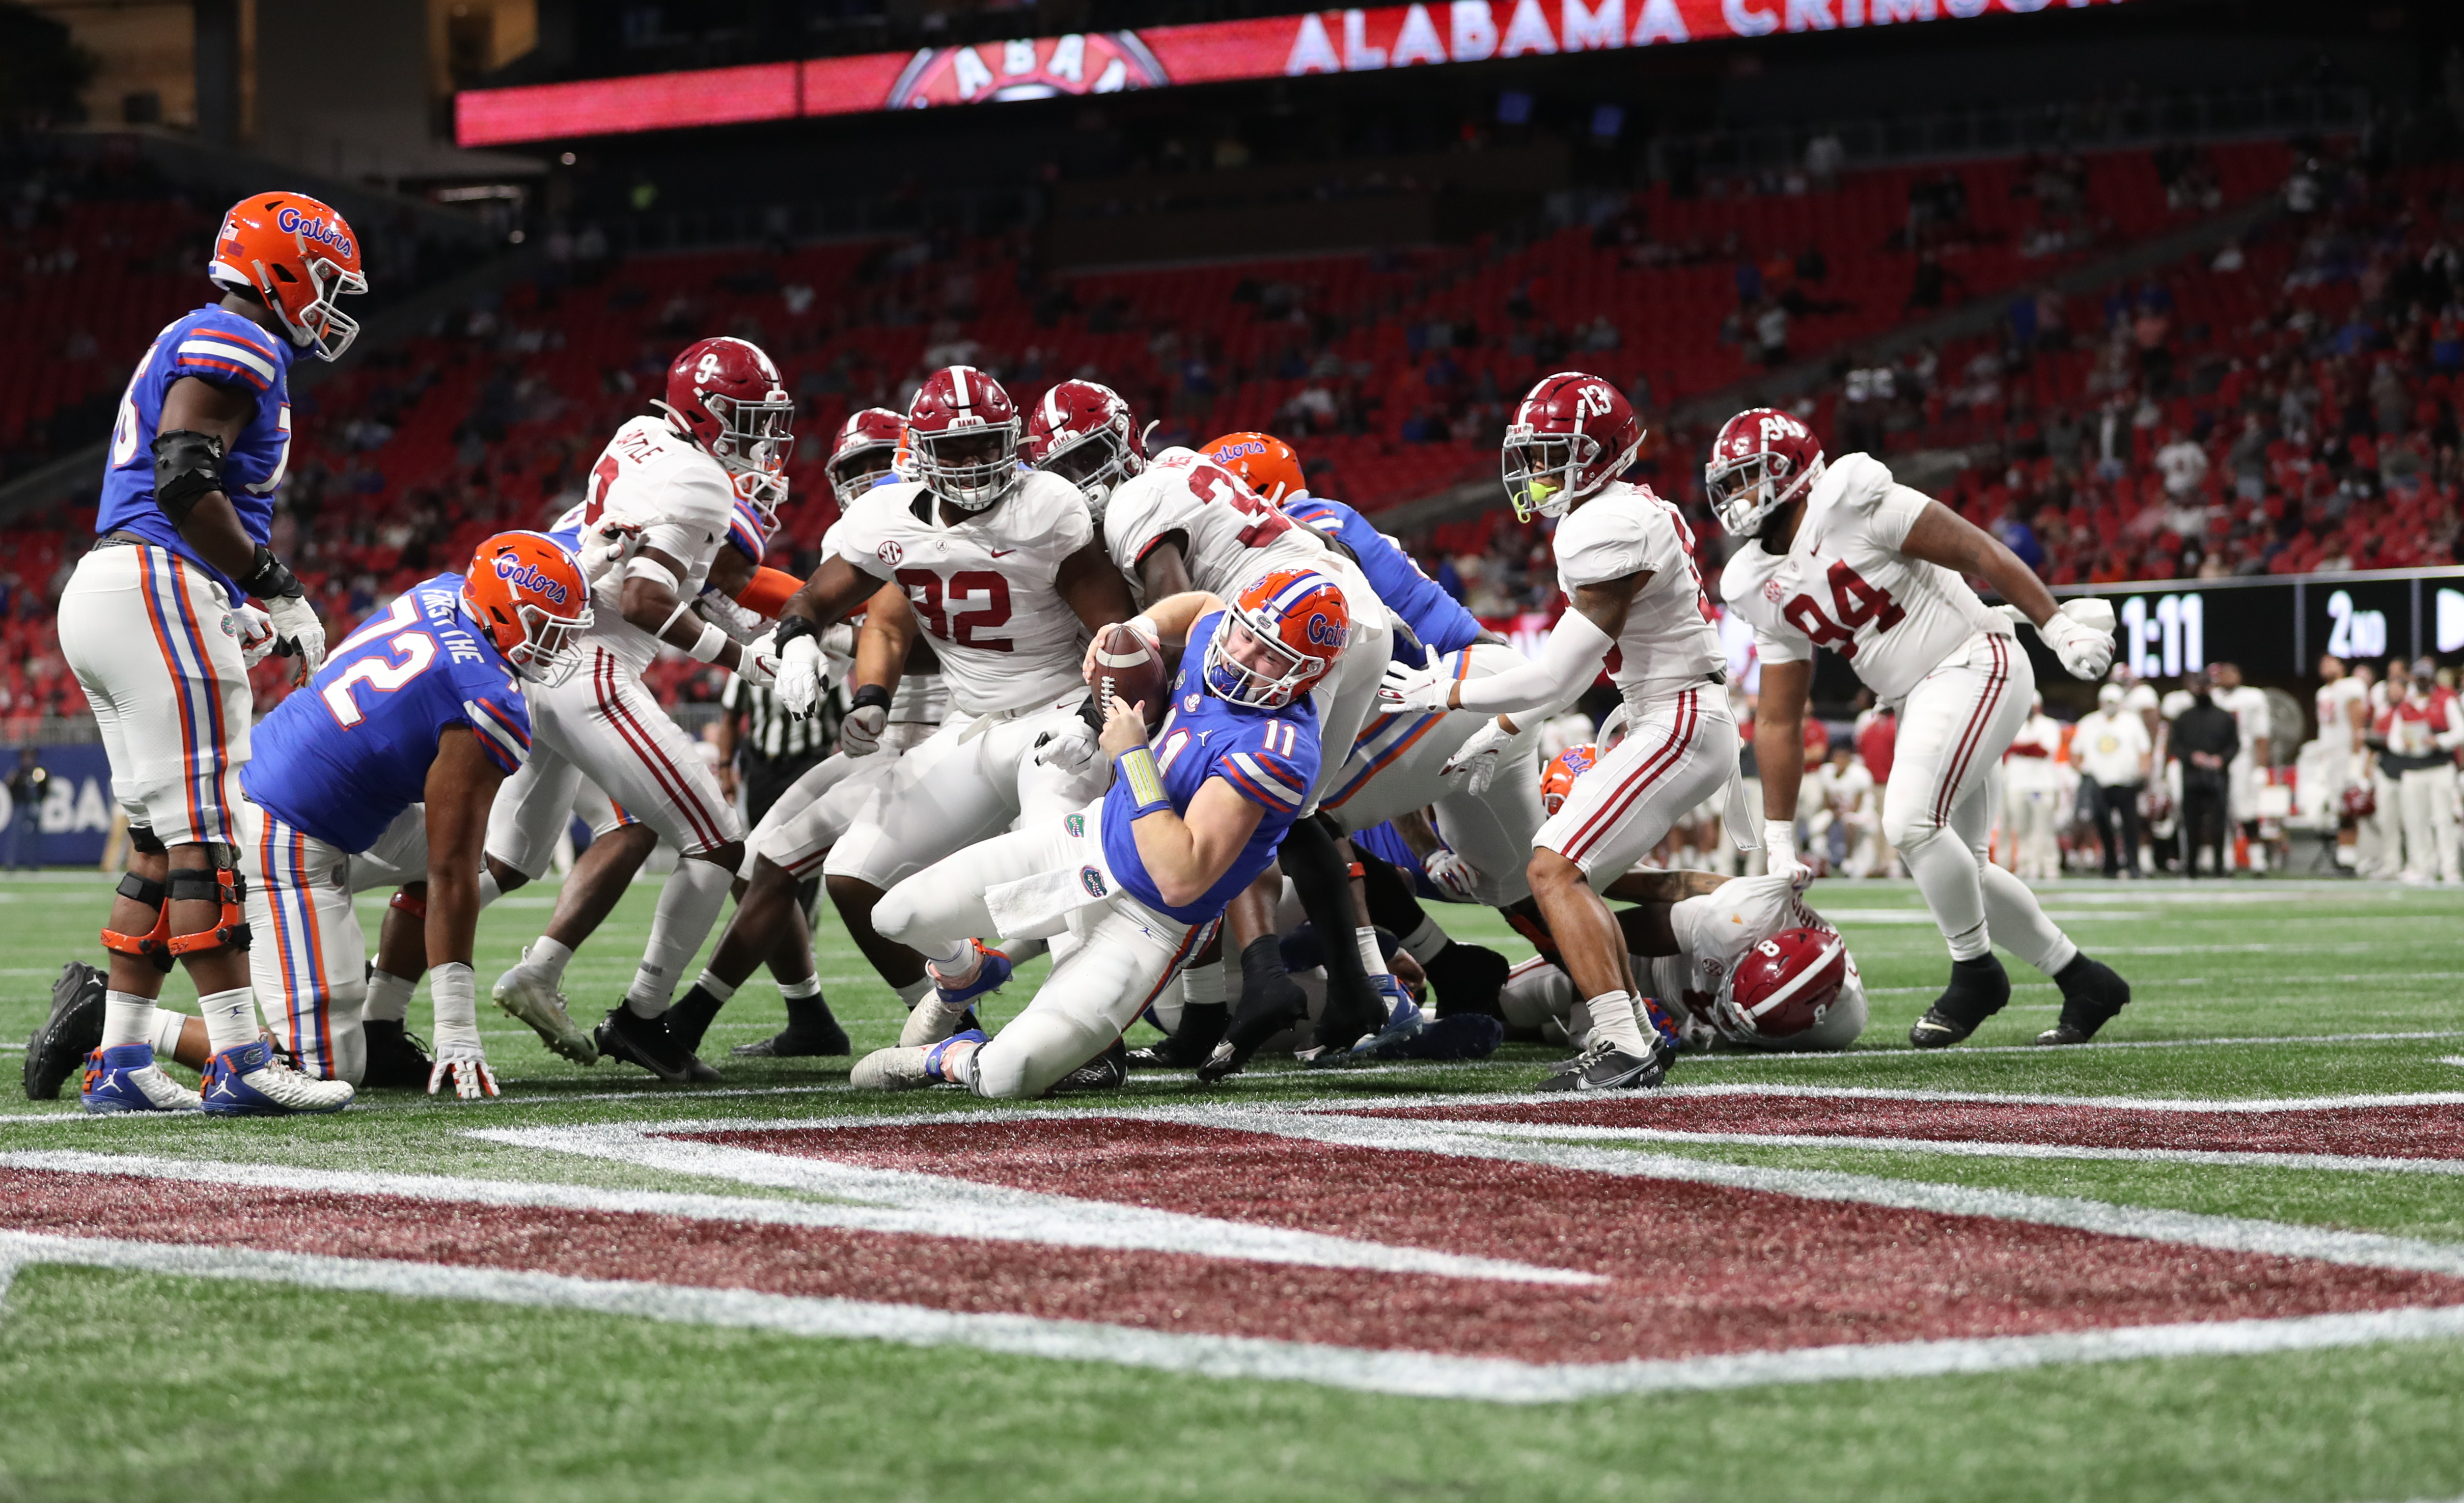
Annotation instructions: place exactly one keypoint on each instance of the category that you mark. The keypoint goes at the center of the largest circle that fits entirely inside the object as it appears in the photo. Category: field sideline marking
(1413, 1374)
(887, 1201)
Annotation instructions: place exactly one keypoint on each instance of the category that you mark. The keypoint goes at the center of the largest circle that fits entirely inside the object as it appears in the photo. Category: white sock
(711, 983)
(166, 1032)
(1945, 868)
(798, 991)
(1202, 986)
(1613, 1022)
(126, 1019)
(915, 991)
(2020, 925)
(388, 998)
(952, 964)
(231, 1018)
(548, 957)
(1423, 943)
(696, 891)
(1373, 957)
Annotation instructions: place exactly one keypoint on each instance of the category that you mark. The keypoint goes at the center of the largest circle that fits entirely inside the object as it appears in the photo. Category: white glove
(1454, 875)
(2082, 635)
(1779, 853)
(296, 631)
(758, 666)
(860, 733)
(255, 634)
(1412, 688)
(1479, 759)
(607, 544)
(455, 990)
(799, 677)
(1070, 750)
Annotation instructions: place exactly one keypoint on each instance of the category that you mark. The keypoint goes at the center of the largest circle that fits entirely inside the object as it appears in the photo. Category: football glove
(1070, 749)
(2080, 634)
(454, 989)
(860, 733)
(800, 677)
(1453, 874)
(466, 1068)
(297, 632)
(256, 629)
(758, 666)
(1416, 690)
(607, 544)
(1779, 853)
(1479, 759)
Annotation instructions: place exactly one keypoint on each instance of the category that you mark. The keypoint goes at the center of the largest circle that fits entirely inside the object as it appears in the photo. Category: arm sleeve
(768, 591)
(1570, 661)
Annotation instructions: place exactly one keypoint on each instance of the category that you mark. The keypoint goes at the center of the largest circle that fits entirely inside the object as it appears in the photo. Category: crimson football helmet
(296, 255)
(527, 595)
(1263, 462)
(2360, 801)
(1277, 638)
(1762, 460)
(1573, 435)
(867, 449)
(1083, 432)
(1786, 985)
(962, 434)
(1564, 768)
(724, 394)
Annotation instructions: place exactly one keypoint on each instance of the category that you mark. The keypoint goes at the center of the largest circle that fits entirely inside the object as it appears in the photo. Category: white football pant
(308, 960)
(1680, 751)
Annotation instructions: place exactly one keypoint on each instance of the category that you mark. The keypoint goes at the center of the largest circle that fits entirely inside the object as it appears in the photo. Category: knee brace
(223, 885)
(153, 945)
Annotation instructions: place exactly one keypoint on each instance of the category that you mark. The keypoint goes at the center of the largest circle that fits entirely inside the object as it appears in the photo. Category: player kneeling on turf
(1130, 887)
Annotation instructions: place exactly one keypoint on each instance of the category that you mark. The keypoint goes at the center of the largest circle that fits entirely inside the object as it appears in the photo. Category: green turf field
(140, 1385)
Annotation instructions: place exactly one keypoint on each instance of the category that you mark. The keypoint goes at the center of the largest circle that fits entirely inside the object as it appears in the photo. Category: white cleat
(252, 1080)
(901, 1069)
(535, 1000)
(931, 1021)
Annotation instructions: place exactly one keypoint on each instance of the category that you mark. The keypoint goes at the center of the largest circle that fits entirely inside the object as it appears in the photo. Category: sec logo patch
(889, 552)
(1189, 703)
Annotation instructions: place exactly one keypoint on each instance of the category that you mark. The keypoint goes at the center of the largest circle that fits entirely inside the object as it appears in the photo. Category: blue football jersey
(1269, 757)
(1437, 618)
(349, 750)
(215, 344)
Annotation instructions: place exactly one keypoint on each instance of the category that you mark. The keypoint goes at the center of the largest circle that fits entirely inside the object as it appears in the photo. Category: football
(1127, 664)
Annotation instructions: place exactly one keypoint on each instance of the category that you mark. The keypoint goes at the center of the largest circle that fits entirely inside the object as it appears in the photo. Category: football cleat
(398, 1059)
(992, 973)
(1108, 1070)
(1467, 977)
(1462, 1035)
(690, 1018)
(538, 1003)
(1605, 1067)
(931, 1019)
(1202, 1028)
(73, 1031)
(124, 1078)
(252, 1081)
(1978, 990)
(1404, 1022)
(626, 1035)
(2092, 993)
(908, 1067)
(797, 1043)
(1276, 1003)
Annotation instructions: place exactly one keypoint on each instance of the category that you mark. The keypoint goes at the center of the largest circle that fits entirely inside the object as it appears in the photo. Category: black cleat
(398, 1059)
(1605, 1067)
(1467, 979)
(1202, 1026)
(1978, 990)
(690, 1018)
(1108, 1070)
(798, 1042)
(1276, 1003)
(72, 1032)
(2092, 993)
(647, 1042)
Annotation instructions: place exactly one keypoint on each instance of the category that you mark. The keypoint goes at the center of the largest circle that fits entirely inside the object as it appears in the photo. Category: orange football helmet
(1564, 768)
(1277, 639)
(527, 596)
(1265, 463)
(296, 254)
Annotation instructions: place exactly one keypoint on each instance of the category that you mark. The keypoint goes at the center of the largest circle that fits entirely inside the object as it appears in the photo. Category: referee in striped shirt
(768, 749)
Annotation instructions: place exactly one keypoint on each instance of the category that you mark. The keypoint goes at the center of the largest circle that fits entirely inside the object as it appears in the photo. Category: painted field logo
(1474, 1247)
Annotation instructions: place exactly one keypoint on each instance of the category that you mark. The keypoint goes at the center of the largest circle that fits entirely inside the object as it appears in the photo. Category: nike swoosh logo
(1001, 553)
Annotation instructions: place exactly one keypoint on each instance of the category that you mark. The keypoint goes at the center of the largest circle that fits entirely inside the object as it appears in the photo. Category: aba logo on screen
(521, 574)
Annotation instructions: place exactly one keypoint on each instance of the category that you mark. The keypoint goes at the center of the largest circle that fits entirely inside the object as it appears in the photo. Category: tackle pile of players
(1257, 861)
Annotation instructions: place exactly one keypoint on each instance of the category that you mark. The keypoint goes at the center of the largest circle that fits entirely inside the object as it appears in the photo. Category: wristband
(268, 579)
(789, 628)
(1145, 784)
(453, 988)
(1779, 837)
(712, 643)
(869, 693)
(1145, 625)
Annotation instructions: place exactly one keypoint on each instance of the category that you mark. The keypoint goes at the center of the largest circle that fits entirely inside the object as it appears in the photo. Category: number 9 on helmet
(1277, 638)
(525, 594)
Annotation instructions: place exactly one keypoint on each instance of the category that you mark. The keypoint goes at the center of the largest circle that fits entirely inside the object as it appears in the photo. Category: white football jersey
(684, 499)
(1234, 534)
(2334, 709)
(983, 589)
(1843, 583)
(1670, 641)
(2249, 706)
(1714, 932)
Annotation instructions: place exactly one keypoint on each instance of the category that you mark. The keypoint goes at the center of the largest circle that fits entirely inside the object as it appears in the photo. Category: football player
(1001, 568)
(156, 627)
(1625, 561)
(1083, 433)
(866, 454)
(1128, 887)
(1840, 556)
(723, 435)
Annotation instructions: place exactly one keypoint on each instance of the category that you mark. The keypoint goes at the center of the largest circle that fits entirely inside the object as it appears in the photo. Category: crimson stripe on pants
(1995, 678)
(1671, 752)
(611, 703)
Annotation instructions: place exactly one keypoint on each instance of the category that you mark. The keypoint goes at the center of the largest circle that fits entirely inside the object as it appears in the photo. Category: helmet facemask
(1249, 664)
(857, 469)
(971, 466)
(1746, 493)
(317, 323)
(1095, 462)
